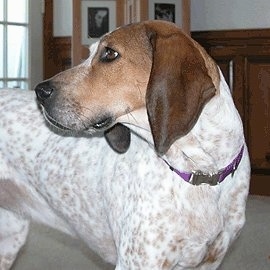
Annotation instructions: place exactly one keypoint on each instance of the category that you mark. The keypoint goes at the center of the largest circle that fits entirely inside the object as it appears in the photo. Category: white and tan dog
(174, 200)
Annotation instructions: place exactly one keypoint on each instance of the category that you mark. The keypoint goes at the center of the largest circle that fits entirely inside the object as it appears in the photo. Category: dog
(166, 187)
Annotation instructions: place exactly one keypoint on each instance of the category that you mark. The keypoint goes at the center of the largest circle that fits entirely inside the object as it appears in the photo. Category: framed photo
(169, 10)
(98, 18)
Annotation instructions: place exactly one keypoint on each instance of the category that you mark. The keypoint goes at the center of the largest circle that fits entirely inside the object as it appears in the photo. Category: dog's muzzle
(61, 113)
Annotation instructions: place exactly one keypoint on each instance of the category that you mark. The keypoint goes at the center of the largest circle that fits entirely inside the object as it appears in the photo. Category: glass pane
(18, 84)
(1, 84)
(17, 52)
(1, 51)
(1, 10)
(17, 11)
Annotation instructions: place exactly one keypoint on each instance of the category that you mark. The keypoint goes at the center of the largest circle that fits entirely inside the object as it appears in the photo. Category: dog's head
(151, 64)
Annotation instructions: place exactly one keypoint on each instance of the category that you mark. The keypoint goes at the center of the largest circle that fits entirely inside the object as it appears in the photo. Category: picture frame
(97, 18)
(170, 10)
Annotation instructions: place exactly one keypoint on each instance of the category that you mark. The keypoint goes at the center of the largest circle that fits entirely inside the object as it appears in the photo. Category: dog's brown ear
(178, 88)
(118, 137)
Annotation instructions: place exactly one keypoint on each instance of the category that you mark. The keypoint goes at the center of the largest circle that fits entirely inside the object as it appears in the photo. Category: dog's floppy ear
(118, 137)
(178, 88)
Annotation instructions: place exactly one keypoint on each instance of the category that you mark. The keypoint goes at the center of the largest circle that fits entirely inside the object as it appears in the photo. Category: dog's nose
(44, 90)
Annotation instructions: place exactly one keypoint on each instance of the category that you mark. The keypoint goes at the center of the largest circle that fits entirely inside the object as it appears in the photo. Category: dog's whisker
(135, 122)
(132, 116)
(81, 120)
(138, 87)
(86, 108)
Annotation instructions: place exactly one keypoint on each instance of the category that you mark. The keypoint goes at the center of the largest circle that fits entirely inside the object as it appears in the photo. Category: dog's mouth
(54, 122)
(102, 124)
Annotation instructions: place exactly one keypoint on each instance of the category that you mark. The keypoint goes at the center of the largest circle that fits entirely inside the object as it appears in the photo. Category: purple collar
(198, 177)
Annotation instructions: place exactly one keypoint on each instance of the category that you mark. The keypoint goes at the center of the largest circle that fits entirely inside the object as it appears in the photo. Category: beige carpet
(47, 249)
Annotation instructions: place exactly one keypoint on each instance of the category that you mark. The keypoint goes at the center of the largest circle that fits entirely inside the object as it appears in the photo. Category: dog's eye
(109, 55)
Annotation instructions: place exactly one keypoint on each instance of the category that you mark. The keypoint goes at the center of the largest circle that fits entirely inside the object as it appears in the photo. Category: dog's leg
(13, 233)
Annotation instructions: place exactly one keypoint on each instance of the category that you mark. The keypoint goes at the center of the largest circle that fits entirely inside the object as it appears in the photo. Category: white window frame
(5, 79)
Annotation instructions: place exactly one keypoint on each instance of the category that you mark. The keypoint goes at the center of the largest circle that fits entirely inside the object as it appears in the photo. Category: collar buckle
(197, 178)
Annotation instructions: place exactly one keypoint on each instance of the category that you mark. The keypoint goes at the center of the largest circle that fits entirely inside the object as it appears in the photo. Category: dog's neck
(138, 122)
(200, 148)
(214, 140)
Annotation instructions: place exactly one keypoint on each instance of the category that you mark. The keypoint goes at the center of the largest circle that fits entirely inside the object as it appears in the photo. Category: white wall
(62, 17)
(205, 15)
(229, 14)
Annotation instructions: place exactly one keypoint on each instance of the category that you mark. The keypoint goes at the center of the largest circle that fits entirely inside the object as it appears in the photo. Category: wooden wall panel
(258, 81)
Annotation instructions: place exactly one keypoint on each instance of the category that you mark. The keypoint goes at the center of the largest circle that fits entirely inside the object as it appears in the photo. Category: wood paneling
(244, 58)
(258, 87)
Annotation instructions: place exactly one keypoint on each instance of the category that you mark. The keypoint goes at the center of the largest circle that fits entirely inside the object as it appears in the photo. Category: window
(14, 40)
